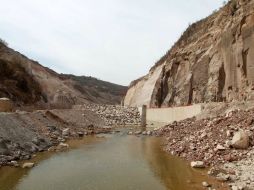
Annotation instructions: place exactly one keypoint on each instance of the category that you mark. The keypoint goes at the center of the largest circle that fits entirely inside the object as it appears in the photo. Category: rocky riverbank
(22, 134)
(114, 115)
(224, 142)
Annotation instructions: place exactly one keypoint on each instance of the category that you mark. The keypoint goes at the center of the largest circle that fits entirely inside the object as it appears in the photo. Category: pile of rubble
(225, 142)
(115, 115)
(218, 140)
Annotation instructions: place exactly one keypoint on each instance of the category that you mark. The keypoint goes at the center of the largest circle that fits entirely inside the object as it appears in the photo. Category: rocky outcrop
(211, 62)
(240, 140)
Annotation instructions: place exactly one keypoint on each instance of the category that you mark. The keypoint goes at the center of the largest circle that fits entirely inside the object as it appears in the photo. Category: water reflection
(117, 162)
(173, 172)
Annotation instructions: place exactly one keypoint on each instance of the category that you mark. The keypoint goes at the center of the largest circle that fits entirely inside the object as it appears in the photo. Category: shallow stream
(106, 162)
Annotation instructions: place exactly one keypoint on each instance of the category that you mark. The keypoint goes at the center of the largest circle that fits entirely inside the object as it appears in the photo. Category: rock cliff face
(26, 82)
(213, 61)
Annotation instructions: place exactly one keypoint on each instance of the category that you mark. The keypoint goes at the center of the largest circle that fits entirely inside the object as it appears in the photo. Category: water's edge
(115, 161)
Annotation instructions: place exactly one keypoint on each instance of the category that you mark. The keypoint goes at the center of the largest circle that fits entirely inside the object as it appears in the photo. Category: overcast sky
(113, 40)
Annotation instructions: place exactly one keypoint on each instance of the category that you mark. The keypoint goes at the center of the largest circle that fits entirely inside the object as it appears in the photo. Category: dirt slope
(27, 82)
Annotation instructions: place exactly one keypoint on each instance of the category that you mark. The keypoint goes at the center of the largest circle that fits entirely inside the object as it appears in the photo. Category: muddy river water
(106, 162)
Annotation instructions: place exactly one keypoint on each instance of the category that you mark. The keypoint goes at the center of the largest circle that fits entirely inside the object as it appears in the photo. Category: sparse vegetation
(16, 84)
(100, 85)
(233, 6)
(95, 88)
(3, 42)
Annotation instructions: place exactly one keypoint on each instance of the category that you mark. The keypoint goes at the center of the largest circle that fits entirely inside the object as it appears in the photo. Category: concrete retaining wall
(168, 115)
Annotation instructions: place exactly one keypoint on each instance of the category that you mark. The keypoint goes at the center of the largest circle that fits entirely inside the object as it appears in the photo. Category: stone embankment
(224, 142)
(114, 115)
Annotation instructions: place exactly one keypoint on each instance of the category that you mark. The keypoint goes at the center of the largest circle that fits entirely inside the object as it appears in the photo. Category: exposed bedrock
(213, 61)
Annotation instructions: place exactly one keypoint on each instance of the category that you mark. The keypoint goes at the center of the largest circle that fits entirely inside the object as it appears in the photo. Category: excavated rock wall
(213, 61)
(142, 92)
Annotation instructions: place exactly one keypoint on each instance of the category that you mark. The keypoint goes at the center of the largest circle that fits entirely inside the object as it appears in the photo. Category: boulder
(205, 184)
(223, 177)
(138, 132)
(63, 145)
(197, 164)
(51, 149)
(220, 147)
(234, 188)
(66, 132)
(240, 140)
(59, 148)
(14, 163)
(229, 133)
(51, 127)
(28, 165)
(149, 133)
(81, 134)
(144, 133)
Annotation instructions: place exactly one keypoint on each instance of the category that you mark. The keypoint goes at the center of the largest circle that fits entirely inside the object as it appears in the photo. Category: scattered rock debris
(224, 143)
(115, 115)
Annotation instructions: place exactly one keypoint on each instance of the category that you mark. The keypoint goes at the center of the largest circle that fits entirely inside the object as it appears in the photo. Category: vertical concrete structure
(143, 116)
(158, 117)
(168, 115)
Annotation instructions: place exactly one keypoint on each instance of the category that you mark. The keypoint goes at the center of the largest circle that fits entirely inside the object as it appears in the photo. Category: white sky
(113, 40)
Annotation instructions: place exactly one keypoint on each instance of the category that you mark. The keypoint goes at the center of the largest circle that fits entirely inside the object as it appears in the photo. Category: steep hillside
(17, 84)
(97, 90)
(211, 62)
(28, 83)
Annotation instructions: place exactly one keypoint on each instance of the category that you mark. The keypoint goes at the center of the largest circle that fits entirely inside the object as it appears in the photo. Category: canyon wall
(213, 61)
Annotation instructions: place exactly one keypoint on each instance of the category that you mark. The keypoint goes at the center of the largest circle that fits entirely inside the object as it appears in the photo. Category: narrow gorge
(187, 124)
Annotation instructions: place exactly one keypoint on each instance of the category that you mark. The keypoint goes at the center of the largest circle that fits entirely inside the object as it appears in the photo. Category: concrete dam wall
(168, 115)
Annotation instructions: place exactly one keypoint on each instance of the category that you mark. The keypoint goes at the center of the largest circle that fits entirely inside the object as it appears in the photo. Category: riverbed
(107, 162)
